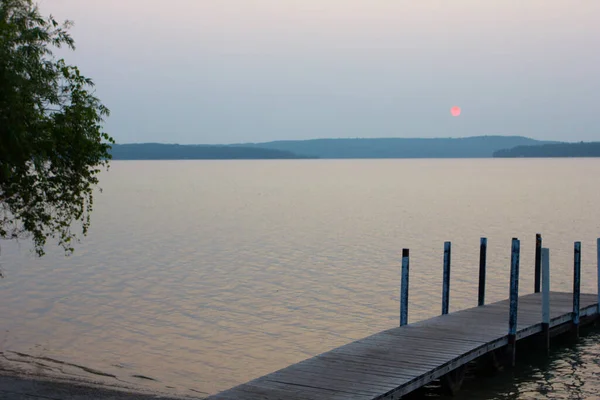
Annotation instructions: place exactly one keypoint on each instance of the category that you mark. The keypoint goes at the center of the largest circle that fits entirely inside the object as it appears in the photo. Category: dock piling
(545, 258)
(514, 300)
(446, 282)
(482, 265)
(404, 288)
(538, 262)
(576, 288)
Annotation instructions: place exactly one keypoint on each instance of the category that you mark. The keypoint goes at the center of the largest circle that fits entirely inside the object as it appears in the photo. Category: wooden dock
(395, 362)
(398, 361)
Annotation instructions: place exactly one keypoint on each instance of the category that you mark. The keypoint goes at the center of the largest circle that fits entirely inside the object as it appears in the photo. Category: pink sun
(455, 111)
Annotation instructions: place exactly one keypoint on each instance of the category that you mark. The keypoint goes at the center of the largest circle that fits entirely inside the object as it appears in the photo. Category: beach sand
(27, 387)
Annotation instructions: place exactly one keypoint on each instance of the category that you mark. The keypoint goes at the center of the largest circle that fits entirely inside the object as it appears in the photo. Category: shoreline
(18, 386)
(28, 376)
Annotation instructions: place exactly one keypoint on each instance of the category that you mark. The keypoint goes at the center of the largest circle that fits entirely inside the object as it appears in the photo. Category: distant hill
(472, 147)
(157, 151)
(590, 149)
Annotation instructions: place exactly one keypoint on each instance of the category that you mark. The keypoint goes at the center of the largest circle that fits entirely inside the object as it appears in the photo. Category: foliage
(159, 151)
(468, 147)
(582, 149)
(52, 146)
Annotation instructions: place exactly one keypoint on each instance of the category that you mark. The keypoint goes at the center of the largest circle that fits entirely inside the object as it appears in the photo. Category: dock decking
(395, 362)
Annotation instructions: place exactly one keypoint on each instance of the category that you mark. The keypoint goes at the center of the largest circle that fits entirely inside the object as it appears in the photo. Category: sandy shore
(24, 387)
(26, 376)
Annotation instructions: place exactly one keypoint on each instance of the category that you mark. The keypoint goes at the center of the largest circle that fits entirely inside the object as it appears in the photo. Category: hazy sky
(229, 71)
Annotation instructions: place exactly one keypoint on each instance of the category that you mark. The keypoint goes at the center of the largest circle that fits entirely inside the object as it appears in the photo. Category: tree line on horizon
(475, 147)
(158, 151)
(581, 149)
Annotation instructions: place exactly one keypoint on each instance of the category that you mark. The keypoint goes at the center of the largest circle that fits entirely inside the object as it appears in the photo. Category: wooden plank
(267, 390)
(408, 367)
(403, 345)
(253, 392)
(431, 334)
(479, 336)
(393, 353)
(333, 362)
(308, 393)
(320, 367)
(413, 359)
(493, 320)
(354, 373)
(459, 329)
(399, 336)
(427, 345)
(326, 382)
(403, 367)
(376, 372)
(357, 380)
(466, 326)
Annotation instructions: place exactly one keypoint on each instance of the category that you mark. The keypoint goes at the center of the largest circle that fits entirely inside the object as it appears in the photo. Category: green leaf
(51, 139)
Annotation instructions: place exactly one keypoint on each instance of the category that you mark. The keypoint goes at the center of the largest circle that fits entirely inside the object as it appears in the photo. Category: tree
(52, 146)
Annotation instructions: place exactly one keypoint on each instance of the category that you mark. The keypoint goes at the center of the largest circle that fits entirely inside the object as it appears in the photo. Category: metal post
(514, 299)
(482, 262)
(546, 298)
(598, 266)
(576, 288)
(446, 282)
(404, 289)
(538, 262)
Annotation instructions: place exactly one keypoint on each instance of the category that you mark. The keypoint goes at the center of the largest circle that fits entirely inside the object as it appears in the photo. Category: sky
(236, 71)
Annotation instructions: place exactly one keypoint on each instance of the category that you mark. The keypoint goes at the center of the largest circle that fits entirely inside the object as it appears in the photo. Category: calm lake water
(205, 274)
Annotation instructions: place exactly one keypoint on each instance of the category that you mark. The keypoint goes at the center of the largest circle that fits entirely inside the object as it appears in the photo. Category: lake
(205, 274)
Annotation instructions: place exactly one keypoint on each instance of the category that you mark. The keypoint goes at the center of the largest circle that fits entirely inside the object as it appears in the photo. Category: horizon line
(358, 138)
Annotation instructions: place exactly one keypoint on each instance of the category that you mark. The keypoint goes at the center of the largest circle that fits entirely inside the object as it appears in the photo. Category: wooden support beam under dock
(393, 363)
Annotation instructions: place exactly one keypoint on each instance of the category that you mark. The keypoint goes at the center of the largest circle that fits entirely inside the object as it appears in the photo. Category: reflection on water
(203, 275)
(569, 373)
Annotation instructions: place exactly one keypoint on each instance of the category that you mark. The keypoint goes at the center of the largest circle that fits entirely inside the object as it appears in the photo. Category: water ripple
(203, 275)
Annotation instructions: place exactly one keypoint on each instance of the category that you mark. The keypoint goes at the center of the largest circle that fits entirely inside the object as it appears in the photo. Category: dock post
(482, 265)
(514, 300)
(404, 288)
(446, 282)
(538, 262)
(598, 266)
(576, 288)
(546, 299)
